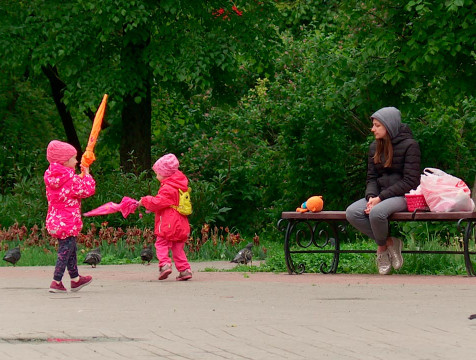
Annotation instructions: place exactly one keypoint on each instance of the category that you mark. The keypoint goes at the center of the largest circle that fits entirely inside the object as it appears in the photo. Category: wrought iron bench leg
(328, 240)
(336, 244)
(468, 235)
(287, 235)
(287, 245)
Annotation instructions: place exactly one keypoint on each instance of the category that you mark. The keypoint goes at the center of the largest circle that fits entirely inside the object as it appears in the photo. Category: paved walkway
(127, 314)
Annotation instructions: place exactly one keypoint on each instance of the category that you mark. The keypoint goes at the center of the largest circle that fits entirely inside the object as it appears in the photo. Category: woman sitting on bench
(393, 170)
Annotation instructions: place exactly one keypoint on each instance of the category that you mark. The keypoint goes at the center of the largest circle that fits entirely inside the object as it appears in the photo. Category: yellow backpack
(185, 203)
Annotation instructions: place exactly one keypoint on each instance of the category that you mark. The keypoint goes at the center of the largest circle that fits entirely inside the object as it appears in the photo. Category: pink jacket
(64, 191)
(169, 223)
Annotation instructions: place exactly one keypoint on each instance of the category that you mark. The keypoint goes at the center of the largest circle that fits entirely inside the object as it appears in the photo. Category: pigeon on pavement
(93, 257)
(13, 255)
(244, 255)
(147, 254)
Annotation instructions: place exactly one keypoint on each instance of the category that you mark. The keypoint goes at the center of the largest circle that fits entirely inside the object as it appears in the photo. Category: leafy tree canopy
(124, 48)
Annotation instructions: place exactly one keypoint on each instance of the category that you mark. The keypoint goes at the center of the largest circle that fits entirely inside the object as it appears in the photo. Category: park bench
(321, 232)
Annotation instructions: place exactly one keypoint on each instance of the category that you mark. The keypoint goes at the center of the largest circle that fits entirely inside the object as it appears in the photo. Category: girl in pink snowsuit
(171, 228)
(64, 191)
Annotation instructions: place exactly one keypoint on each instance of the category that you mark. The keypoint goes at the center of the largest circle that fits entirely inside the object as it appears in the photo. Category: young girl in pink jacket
(64, 191)
(171, 228)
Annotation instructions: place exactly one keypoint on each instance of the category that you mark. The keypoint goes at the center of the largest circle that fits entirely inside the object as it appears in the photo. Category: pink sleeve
(164, 199)
(83, 187)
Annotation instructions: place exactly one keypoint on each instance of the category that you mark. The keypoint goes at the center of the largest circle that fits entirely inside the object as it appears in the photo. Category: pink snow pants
(162, 247)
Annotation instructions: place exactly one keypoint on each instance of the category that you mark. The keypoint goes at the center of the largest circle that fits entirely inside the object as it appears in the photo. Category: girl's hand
(371, 203)
(85, 170)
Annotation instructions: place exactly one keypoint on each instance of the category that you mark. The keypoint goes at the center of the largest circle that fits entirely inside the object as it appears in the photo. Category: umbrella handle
(82, 171)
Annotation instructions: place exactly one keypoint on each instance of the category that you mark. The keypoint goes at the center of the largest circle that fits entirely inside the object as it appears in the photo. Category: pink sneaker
(165, 271)
(82, 282)
(184, 275)
(57, 288)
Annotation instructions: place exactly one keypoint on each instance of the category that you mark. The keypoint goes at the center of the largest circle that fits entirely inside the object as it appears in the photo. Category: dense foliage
(127, 48)
(263, 111)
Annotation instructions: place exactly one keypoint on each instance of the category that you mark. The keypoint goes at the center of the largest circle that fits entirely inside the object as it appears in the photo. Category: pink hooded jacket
(64, 191)
(169, 223)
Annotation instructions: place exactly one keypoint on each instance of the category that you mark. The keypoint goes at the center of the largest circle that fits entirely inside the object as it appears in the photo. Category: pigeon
(93, 257)
(244, 255)
(146, 255)
(13, 255)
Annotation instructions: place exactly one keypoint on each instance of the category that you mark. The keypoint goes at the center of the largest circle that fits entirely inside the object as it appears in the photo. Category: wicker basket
(416, 201)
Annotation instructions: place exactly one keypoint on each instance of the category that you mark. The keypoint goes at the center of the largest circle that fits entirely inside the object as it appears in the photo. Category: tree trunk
(57, 88)
(136, 134)
(136, 115)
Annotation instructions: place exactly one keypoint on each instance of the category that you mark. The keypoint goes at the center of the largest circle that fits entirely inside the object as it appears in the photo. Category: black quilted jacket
(402, 176)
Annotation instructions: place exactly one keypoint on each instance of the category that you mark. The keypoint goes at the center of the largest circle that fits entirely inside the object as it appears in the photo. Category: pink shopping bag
(444, 192)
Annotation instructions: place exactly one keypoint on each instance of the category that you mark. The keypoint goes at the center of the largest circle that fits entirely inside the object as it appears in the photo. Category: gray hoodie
(391, 118)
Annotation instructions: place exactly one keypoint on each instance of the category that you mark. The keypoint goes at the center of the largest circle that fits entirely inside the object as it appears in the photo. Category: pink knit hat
(59, 152)
(166, 165)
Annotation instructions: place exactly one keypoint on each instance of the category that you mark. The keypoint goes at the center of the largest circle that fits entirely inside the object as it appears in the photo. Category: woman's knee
(377, 216)
(354, 211)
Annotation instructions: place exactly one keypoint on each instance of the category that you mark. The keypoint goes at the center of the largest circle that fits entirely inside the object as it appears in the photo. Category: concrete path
(127, 314)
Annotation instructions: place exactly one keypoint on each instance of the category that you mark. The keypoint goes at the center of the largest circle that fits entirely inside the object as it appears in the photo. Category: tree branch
(57, 89)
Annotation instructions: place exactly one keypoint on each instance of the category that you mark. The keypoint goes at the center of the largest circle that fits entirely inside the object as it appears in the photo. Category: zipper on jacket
(160, 223)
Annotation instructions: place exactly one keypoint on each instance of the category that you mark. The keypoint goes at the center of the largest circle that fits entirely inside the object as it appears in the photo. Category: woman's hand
(371, 203)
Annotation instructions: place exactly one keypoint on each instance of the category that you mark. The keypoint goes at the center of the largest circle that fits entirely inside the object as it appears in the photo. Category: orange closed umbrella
(88, 157)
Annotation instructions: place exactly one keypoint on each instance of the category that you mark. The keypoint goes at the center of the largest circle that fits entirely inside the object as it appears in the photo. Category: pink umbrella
(126, 206)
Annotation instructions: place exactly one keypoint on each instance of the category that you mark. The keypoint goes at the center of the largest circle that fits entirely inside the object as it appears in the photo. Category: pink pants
(162, 248)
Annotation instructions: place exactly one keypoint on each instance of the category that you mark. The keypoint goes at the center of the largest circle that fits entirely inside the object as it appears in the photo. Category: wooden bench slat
(399, 216)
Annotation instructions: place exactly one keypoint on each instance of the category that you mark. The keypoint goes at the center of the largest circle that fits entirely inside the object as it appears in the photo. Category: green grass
(32, 256)
(126, 250)
(422, 264)
(117, 246)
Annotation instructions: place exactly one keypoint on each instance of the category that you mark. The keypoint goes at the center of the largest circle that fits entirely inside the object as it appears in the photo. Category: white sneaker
(383, 263)
(395, 253)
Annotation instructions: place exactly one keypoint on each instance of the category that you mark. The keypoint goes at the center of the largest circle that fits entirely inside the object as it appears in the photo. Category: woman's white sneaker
(383, 263)
(395, 253)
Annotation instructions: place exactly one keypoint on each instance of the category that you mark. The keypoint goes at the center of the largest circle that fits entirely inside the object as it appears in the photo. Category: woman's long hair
(384, 146)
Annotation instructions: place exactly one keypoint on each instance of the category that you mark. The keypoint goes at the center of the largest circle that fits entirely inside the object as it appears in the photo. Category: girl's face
(71, 163)
(160, 177)
(378, 129)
